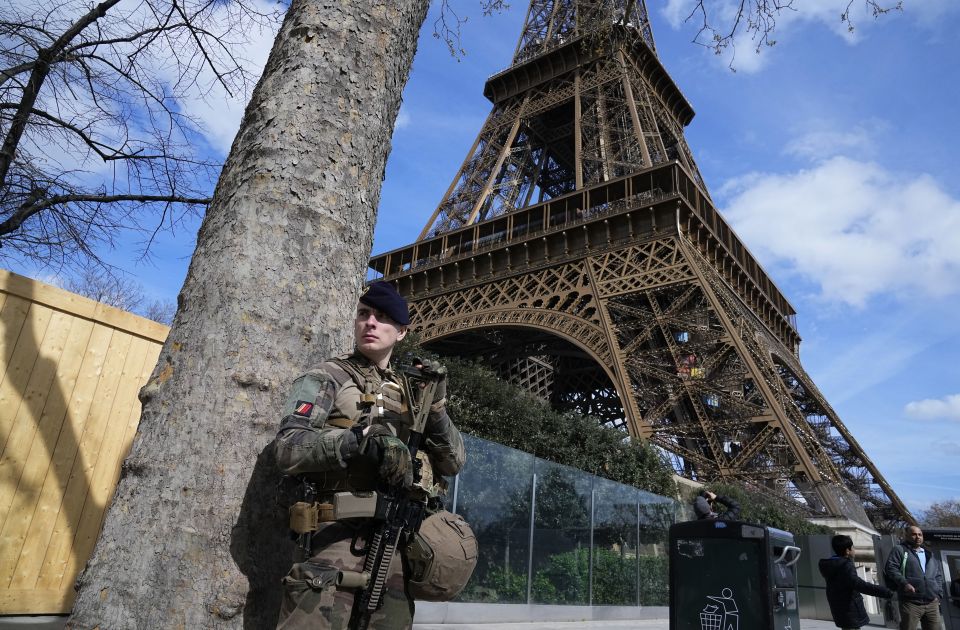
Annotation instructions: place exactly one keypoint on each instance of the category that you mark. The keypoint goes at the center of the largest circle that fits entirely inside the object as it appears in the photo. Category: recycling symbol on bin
(724, 615)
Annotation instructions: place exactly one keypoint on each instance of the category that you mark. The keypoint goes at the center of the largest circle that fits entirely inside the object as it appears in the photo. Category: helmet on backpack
(441, 557)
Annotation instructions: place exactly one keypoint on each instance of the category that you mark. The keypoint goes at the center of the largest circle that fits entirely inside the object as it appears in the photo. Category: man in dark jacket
(704, 506)
(844, 586)
(919, 581)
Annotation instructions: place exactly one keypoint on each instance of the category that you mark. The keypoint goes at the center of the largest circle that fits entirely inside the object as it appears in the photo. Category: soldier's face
(375, 332)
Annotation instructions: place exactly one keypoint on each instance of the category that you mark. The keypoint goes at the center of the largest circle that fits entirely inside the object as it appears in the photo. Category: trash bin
(729, 575)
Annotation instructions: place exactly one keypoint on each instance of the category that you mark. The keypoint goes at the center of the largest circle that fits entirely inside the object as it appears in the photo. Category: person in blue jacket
(844, 586)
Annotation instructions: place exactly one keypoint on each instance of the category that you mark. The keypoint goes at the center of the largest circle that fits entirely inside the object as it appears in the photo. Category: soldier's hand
(394, 457)
(434, 369)
(440, 395)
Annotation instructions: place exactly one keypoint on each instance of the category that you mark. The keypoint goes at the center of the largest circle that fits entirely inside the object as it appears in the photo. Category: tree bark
(193, 537)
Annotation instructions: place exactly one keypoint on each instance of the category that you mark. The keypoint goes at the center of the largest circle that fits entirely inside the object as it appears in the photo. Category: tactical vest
(365, 395)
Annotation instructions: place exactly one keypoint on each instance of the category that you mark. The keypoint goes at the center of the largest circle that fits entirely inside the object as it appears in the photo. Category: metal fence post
(533, 510)
(637, 554)
(456, 492)
(593, 497)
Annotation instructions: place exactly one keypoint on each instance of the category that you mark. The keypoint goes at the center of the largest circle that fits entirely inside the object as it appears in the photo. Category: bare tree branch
(757, 19)
(448, 26)
(39, 202)
(81, 88)
(38, 75)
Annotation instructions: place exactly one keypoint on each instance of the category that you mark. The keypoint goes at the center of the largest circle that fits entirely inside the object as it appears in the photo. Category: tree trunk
(194, 537)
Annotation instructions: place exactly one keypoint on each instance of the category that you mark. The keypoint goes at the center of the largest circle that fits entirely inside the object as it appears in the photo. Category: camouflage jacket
(327, 400)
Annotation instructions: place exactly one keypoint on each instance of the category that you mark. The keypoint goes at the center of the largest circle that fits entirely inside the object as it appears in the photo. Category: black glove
(433, 369)
(392, 455)
(350, 443)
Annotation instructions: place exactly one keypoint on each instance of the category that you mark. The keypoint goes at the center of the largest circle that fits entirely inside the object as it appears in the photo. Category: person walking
(845, 589)
(918, 578)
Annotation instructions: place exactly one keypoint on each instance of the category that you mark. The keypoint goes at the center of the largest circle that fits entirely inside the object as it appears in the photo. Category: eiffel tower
(578, 251)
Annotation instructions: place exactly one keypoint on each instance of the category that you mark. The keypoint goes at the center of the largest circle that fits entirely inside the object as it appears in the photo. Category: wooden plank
(133, 420)
(31, 519)
(65, 508)
(60, 299)
(103, 478)
(22, 360)
(133, 417)
(25, 424)
(12, 316)
(36, 602)
(60, 551)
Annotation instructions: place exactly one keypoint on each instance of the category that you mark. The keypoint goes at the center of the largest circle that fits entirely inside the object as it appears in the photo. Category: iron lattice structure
(578, 251)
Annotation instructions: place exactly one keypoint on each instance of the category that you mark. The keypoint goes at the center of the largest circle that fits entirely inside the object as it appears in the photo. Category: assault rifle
(399, 510)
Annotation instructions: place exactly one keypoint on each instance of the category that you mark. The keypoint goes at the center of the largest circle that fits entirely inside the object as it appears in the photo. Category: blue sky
(833, 154)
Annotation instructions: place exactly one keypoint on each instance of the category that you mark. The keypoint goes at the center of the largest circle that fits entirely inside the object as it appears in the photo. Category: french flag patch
(303, 408)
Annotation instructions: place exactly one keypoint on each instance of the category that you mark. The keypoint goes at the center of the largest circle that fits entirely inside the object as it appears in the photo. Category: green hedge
(564, 579)
(483, 405)
(758, 508)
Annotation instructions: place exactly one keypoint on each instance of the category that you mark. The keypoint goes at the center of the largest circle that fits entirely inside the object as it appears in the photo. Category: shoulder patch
(303, 408)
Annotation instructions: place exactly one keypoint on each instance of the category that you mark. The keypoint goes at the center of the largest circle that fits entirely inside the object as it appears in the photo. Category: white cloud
(853, 228)
(947, 408)
(950, 448)
(889, 347)
(931, 13)
(748, 54)
(676, 12)
(742, 54)
(403, 119)
(824, 141)
(219, 112)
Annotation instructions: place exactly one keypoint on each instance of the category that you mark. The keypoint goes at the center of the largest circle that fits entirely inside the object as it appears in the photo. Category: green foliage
(757, 508)
(564, 579)
(484, 406)
(497, 586)
(654, 581)
(487, 407)
(567, 577)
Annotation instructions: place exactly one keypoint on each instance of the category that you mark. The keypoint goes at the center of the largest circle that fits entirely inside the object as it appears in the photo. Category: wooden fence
(70, 370)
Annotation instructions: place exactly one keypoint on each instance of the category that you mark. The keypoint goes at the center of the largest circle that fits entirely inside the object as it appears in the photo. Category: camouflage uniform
(313, 440)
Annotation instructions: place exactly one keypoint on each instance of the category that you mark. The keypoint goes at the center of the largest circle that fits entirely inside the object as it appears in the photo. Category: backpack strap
(367, 397)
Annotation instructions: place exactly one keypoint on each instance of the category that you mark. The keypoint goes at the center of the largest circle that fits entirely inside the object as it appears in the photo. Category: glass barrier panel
(561, 537)
(493, 495)
(656, 515)
(615, 537)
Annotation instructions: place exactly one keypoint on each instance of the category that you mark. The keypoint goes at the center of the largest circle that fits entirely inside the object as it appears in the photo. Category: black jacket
(703, 509)
(928, 581)
(843, 592)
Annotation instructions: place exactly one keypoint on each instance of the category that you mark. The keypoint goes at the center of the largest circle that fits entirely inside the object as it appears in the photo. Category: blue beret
(382, 296)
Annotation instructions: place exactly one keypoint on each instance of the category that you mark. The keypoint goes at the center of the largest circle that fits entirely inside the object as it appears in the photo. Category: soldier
(342, 430)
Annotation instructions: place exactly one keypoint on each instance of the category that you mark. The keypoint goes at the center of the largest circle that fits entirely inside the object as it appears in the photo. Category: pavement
(639, 624)
(56, 623)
